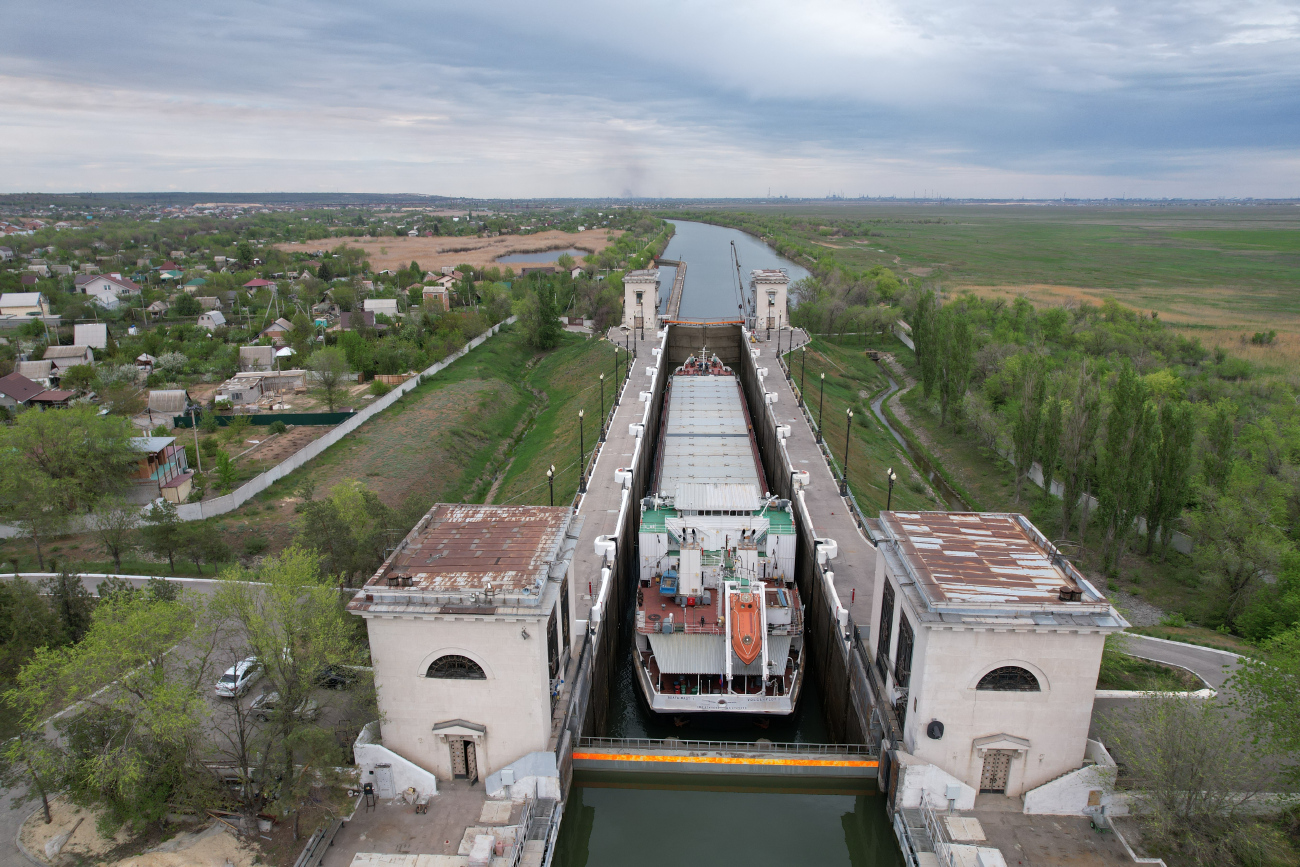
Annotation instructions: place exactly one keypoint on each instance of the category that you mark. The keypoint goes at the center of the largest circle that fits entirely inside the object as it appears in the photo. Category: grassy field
(852, 379)
(1214, 272)
(1121, 671)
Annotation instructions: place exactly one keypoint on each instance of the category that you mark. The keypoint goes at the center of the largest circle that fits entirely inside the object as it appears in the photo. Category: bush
(379, 388)
(278, 427)
(254, 545)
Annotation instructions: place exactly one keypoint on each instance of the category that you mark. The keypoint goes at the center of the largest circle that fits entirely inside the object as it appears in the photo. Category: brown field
(433, 253)
(1218, 316)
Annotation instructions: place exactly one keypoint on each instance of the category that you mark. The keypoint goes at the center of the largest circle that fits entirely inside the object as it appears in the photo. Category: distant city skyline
(585, 99)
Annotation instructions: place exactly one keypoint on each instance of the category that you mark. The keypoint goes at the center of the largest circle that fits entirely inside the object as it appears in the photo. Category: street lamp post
(803, 370)
(848, 435)
(602, 407)
(889, 499)
(582, 455)
(616, 379)
(821, 399)
(550, 480)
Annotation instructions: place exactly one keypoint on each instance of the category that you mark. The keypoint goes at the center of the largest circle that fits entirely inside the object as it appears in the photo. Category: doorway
(997, 768)
(464, 761)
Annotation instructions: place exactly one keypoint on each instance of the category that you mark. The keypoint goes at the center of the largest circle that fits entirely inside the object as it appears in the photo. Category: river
(694, 821)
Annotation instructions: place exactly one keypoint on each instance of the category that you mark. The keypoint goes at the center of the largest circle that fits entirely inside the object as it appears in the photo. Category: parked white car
(239, 677)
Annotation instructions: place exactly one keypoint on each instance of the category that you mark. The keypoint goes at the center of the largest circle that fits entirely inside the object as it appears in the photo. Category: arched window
(1009, 678)
(454, 667)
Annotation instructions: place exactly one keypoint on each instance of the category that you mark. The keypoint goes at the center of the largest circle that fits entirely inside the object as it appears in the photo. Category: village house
(386, 306)
(988, 643)
(212, 320)
(17, 391)
(24, 304)
(208, 302)
(195, 285)
(167, 403)
(468, 650)
(64, 357)
(278, 331)
(350, 321)
(40, 372)
(53, 399)
(256, 357)
(641, 300)
(435, 297)
(251, 386)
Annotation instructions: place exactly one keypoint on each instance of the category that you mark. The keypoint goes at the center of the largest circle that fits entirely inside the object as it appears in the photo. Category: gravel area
(1135, 609)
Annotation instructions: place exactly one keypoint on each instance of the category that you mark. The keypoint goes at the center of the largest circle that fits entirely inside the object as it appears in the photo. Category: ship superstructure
(719, 623)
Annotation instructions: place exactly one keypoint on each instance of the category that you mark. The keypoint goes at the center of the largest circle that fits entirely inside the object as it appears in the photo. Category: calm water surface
(545, 256)
(694, 822)
(710, 291)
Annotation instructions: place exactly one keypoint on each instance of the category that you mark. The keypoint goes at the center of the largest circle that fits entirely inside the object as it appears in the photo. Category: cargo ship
(718, 619)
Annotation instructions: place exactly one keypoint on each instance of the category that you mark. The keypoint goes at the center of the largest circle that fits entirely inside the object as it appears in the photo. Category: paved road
(1212, 666)
(10, 819)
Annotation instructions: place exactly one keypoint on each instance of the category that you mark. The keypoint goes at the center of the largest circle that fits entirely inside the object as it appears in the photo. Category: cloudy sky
(697, 98)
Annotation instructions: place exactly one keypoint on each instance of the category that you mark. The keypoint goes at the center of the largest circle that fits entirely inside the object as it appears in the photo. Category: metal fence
(674, 745)
(268, 418)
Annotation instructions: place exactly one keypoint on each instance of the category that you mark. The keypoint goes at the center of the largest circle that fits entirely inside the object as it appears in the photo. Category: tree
(202, 542)
(131, 747)
(78, 377)
(1238, 543)
(1053, 422)
(566, 262)
(1081, 408)
(925, 337)
(539, 317)
(26, 622)
(348, 530)
(1220, 437)
(161, 531)
(226, 472)
(71, 604)
(1194, 771)
(1267, 691)
(187, 305)
(1024, 433)
(1171, 471)
(956, 357)
(113, 525)
(329, 367)
(290, 618)
(1125, 467)
(72, 458)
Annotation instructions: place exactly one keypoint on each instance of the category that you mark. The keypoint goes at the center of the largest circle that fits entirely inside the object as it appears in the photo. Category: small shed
(92, 334)
(37, 371)
(386, 306)
(256, 357)
(168, 401)
(212, 320)
(64, 357)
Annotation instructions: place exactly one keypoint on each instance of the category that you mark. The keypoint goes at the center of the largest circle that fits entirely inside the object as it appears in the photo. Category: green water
(684, 821)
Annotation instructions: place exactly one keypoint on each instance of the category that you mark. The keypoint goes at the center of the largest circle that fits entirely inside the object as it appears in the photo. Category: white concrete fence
(258, 484)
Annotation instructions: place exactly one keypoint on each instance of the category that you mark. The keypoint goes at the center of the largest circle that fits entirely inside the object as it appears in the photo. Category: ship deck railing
(766, 747)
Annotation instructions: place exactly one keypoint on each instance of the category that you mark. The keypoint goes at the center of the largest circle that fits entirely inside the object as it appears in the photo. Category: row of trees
(139, 735)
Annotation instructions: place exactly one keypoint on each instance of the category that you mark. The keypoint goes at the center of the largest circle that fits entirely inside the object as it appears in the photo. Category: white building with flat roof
(769, 297)
(641, 300)
(471, 626)
(988, 642)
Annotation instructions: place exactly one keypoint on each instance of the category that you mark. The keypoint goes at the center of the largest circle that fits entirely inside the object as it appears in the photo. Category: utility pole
(848, 434)
(821, 400)
(194, 426)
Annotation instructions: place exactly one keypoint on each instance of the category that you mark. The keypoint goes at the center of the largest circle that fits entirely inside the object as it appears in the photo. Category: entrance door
(997, 767)
(464, 761)
(384, 781)
(640, 321)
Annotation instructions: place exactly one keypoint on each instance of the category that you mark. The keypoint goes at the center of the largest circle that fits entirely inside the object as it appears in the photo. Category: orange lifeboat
(746, 627)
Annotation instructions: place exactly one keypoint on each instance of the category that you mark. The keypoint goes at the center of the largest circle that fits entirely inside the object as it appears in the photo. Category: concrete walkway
(855, 566)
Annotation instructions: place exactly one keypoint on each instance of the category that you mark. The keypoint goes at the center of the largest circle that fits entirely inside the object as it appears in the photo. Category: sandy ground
(211, 847)
(433, 253)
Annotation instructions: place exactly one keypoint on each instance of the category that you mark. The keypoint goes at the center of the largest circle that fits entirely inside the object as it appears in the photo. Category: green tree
(290, 618)
(226, 471)
(925, 338)
(1238, 544)
(132, 747)
(26, 622)
(1267, 691)
(72, 458)
(956, 358)
(1220, 438)
(329, 369)
(187, 305)
(1029, 420)
(1171, 472)
(539, 316)
(71, 603)
(79, 377)
(203, 542)
(161, 531)
(1053, 424)
(113, 524)
(1125, 476)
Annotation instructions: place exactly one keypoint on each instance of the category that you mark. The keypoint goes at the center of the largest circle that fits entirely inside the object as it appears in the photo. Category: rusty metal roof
(461, 548)
(982, 558)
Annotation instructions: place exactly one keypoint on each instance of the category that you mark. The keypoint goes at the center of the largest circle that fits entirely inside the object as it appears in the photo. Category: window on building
(1009, 678)
(452, 667)
(903, 656)
(886, 631)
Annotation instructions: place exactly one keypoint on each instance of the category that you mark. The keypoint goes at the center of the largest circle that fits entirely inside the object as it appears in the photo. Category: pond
(544, 256)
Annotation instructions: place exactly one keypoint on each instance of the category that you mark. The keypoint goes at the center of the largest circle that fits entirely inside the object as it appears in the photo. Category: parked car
(336, 677)
(239, 677)
(266, 704)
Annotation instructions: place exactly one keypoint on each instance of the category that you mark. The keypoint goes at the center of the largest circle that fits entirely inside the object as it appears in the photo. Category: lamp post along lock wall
(821, 400)
(550, 480)
(582, 455)
(889, 500)
(848, 435)
(602, 407)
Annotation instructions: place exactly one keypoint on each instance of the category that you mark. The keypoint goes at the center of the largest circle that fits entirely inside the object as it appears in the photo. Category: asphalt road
(1212, 666)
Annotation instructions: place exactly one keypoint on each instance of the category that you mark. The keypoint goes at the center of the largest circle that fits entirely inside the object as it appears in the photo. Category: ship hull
(716, 703)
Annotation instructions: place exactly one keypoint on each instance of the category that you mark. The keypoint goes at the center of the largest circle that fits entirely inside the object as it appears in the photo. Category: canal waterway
(710, 291)
(707, 820)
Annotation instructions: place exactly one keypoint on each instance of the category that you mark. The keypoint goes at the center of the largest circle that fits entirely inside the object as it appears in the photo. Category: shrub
(254, 545)
(379, 388)
(278, 427)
